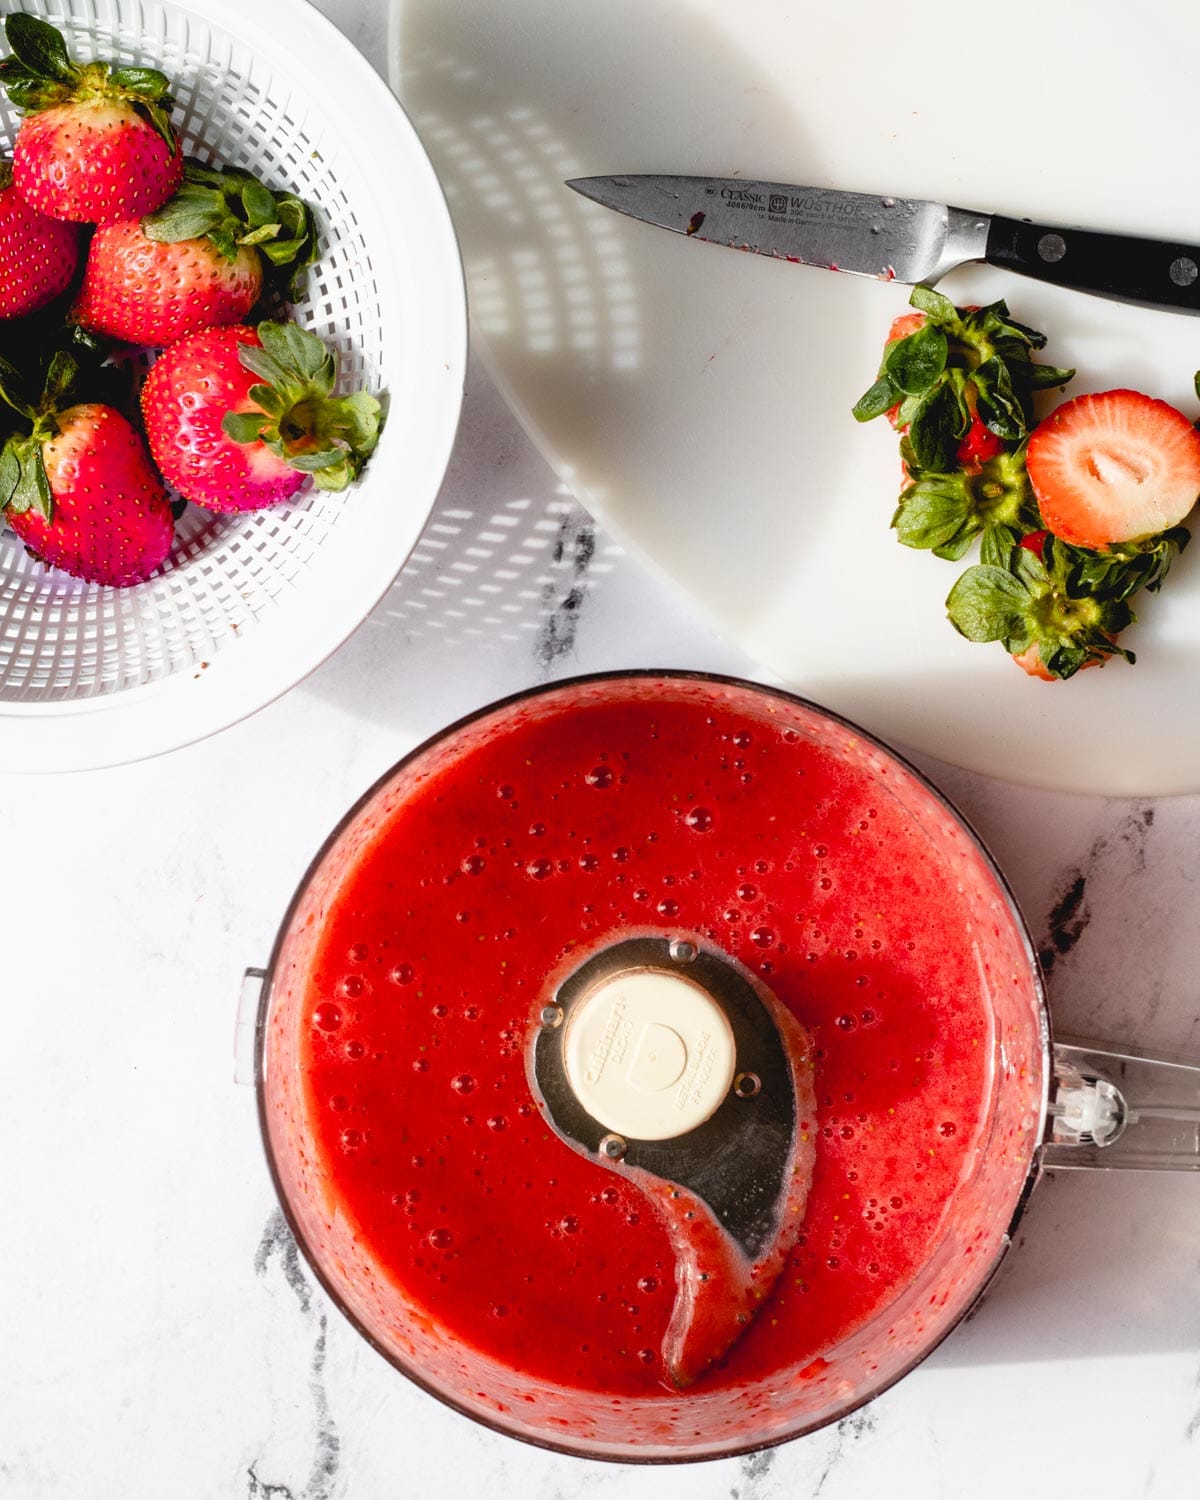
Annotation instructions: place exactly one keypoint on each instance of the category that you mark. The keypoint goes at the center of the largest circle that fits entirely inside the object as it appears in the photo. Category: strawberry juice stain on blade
(665, 1061)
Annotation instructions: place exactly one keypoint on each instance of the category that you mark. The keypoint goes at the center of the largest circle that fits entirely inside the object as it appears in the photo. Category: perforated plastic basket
(247, 605)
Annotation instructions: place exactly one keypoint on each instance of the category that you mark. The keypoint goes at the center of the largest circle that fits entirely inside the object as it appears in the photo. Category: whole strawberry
(78, 488)
(196, 263)
(38, 256)
(96, 144)
(238, 417)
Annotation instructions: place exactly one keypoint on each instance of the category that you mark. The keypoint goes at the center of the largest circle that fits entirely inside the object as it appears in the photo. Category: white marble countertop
(161, 1335)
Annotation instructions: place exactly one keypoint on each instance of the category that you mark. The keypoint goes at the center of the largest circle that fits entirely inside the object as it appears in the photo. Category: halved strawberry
(79, 489)
(1114, 467)
(238, 417)
(96, 144)
(198, 262)
(38, 255)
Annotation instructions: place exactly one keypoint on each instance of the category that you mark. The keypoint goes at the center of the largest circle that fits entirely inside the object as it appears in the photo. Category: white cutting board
(698, 401)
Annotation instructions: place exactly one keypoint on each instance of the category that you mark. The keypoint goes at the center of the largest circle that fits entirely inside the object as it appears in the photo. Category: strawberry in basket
(237, 417)
(77, 486)
(96, 144)
(201, 260)
(38, 255)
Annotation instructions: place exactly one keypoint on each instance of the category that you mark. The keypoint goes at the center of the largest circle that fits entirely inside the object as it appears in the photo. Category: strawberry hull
(185, 400)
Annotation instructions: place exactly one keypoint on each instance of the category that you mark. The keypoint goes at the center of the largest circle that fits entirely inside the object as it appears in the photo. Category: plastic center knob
(649, 1053)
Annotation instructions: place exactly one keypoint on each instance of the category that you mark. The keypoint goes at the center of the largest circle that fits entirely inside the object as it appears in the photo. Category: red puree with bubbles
(689, 811)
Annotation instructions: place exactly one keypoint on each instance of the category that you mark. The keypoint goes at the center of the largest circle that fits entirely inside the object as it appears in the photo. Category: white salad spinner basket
(247, 605)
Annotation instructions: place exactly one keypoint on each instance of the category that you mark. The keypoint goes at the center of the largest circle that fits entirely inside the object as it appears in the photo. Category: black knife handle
(1151, 273)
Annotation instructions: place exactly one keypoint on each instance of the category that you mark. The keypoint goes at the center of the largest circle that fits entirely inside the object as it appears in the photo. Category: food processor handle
(1121, 1109)
(246, 1050)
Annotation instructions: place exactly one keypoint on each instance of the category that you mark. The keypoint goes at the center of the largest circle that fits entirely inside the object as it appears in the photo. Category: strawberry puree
(403, 1119)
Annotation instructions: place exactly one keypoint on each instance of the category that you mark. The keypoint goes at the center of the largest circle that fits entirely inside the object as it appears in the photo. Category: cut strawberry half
(1114, 467)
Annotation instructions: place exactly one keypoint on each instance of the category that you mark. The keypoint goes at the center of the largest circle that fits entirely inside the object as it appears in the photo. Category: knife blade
(909, 240)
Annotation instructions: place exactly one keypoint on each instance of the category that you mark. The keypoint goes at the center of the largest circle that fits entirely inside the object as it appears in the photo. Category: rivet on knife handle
(1152, 273)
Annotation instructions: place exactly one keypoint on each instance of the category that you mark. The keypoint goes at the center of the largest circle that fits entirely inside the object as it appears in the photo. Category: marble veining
(563, 597)
(1067, 922)
(278, 1244)
(753, 1472)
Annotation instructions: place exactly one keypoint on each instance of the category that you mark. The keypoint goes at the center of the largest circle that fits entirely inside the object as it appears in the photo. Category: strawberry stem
(300, 419)
(40, 73)
(232, 208)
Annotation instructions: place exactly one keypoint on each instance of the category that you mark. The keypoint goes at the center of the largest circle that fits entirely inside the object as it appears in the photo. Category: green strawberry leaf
(225, 241)
(999, 409)
(10, 474)
(1067, 660)
(44, 497)
(278, 252)
(958, 546)
(1019, 331)
(936, 429)
(60, 378)
(932, 511)
(1117, 573)
(159, 115)
(243, 426)
(312, 463)
(915, 363)
(936, 307)
(32, 489)
(260, 362)
(882, 396)
(337, 478)
(298, 350)
(194, 211)
(1043, 377)
(358, 419)
(263, 235)
(143, 85)
(996, 547)
(93, 347)
(296, 215)
(12, 391)
(1034, 571)
(29, 92)
(988, 604)
(259, 204)
(39, 48)
(271, 401)
(199, 172)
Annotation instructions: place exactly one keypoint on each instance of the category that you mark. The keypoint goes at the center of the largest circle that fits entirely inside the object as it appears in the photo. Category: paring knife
(901, 239)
